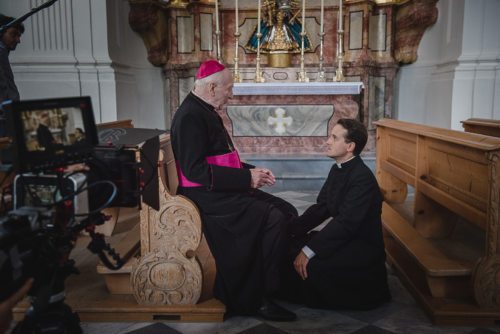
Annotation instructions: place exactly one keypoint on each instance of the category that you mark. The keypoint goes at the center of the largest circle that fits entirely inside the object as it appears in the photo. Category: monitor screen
(51, 132)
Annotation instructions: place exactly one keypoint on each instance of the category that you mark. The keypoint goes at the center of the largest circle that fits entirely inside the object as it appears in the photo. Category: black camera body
(27, 249)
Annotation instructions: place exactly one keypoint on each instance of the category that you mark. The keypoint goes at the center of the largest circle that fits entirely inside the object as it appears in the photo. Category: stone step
(297, 172)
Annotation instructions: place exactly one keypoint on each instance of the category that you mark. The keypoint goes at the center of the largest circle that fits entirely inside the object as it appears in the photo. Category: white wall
(140, 85)
(86, 47)
(456, 76)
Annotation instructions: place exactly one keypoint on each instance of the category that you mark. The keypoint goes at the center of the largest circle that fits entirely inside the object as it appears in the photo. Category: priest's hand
(261, 177)
(300, 264)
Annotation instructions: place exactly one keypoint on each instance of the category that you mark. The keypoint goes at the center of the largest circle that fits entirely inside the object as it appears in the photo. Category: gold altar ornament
(280, 29)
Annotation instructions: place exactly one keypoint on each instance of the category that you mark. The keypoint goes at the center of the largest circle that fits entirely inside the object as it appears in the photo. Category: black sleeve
(192, 140)
(313, 216)
(352, 214)
(190, 143)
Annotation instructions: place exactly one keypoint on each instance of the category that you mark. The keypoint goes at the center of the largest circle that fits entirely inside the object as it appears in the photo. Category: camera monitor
(51, 133)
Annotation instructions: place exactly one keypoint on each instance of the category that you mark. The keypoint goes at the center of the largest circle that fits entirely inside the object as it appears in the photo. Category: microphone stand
(25, 16)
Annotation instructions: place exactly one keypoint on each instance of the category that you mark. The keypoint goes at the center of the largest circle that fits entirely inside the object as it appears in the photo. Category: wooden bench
(441, 217)
(489, 127)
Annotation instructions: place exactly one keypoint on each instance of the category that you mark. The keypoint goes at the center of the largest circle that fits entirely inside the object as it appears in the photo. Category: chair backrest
(169, 174)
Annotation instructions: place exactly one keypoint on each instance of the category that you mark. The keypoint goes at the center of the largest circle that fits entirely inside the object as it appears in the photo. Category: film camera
(52, 206)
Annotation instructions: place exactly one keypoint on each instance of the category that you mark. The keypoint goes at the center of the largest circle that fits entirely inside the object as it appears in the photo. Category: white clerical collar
(339, 165)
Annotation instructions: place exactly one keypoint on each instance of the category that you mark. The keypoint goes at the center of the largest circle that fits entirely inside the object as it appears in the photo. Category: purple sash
(231, 159)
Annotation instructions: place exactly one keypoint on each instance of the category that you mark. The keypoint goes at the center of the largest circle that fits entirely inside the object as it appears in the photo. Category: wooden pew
(489, 127)
(441, 217)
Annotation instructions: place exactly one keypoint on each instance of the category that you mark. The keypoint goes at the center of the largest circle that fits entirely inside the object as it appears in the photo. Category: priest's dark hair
(4, 19)
(356, 133)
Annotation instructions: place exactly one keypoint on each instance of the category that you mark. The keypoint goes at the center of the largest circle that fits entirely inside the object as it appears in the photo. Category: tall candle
(322, 14)
(216, 15)
(258, 19)
(303, 16)
(340, 15)
(236, 15)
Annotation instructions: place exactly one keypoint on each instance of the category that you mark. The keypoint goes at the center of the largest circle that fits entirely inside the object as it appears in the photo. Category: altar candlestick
(217, 15)
(236, 74)
(236, 15)
(340, 16)
(302, 73)
(339, 73)
(303, 16)
(258, 17)
(321, 72)
(322, 15)
(217, 30)
(258, 74)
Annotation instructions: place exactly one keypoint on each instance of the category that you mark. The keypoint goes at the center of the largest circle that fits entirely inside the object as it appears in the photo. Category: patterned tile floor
(401, 315)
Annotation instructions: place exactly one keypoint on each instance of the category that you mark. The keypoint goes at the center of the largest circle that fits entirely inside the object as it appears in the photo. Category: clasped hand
(300, 265)
(261, 177)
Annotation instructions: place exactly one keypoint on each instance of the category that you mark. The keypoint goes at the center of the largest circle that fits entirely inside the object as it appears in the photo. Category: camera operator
(8, 42)
(7, 305)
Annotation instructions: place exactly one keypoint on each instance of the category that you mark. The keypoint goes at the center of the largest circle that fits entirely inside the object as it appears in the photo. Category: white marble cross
(280, 122)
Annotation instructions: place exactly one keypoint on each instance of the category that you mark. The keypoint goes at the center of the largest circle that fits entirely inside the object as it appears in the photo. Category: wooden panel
(398, 172)
(462, 173)
(402, 150)
(429, 258)
(461, 208)
(460, 138)
(489, 127)
(394, 189)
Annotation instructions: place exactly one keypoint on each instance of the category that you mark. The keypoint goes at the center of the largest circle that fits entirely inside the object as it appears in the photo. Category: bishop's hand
(261, 177)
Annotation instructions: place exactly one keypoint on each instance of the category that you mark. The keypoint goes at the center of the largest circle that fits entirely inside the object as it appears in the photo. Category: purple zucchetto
(208, 68)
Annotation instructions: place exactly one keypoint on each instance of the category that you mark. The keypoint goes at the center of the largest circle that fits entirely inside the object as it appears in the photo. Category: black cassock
(245, 228)
(348, 270)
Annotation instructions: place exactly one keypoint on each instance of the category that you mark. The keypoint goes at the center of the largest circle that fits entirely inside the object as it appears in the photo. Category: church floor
(401, 315)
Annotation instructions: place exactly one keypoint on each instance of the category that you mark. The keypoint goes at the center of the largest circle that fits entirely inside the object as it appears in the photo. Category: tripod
(48, 314)
(57, 318)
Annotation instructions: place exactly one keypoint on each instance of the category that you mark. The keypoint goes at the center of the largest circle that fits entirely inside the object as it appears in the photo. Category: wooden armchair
(174, 265)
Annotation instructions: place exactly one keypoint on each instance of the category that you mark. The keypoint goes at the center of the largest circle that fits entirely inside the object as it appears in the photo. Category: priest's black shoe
(274, 312)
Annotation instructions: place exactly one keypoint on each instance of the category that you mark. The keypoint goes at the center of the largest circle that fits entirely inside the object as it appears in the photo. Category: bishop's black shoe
(274, 312)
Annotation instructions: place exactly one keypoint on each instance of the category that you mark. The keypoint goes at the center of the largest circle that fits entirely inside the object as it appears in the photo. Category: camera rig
(36, 240)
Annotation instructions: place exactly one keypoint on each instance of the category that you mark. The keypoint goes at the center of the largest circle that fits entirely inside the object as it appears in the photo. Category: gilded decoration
(280, 27)
(166, 277)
